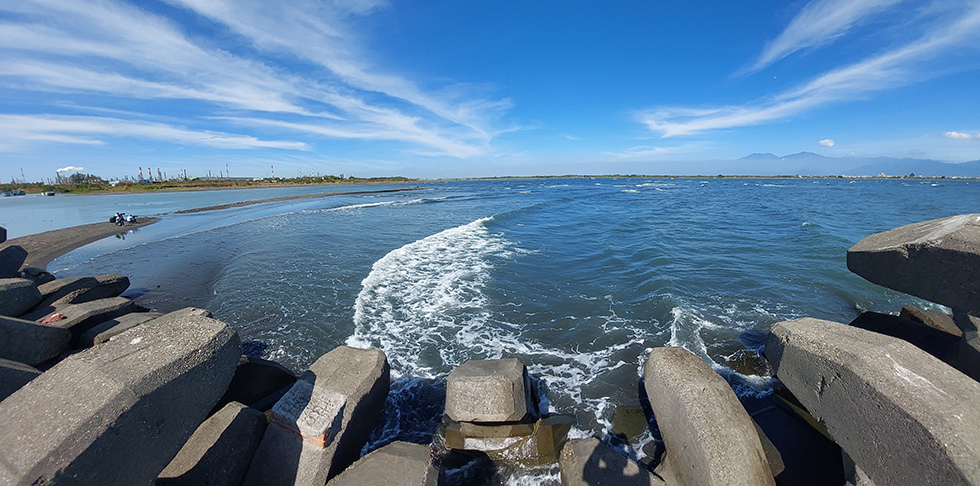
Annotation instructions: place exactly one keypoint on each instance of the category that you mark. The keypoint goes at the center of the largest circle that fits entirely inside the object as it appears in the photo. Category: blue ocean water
(578, 278)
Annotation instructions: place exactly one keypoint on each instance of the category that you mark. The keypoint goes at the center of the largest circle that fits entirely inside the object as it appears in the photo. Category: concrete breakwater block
(17, 296)
(939, 321)
(3, 234)
(495, 390)
(13, 376)
(117, 413)
(11, 259)
(220, 450)
(78, 290)
(936, 260)
(113, 327)
(903, 416)
(79, 318)
(937, 343)
(399, 463)
(319, 427)
(530, 444)
(585, 462)
(29, 342)
(709, 437)
(256, 379)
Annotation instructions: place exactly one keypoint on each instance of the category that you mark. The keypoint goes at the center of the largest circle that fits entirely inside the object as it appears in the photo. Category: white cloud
(819, 23)
(111, 48)
(890, 69)
(70, 168)
(826, 142)
(90, 130)
(960, 136)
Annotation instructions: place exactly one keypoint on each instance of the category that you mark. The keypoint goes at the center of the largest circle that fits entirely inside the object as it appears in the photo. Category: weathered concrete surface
(934, 319)
(528, 444)
(398, 463)
(936, 260)
(29, 342)
(255, 379)
(11, 258)
(13, 376)
(588, 462)
(79, 318)
(107, 330)
(319, 427)
(937, 343)
(903, 416)
(493, 390)
(709, 437)
(39, 276)
(220, 450)
(78, 291)
(17, 296)
(117, 413)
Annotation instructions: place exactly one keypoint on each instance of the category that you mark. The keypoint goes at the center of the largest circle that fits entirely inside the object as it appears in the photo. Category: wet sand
(42, 248)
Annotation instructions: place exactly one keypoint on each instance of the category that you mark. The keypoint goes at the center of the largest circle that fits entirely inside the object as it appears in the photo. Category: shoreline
(43, 248)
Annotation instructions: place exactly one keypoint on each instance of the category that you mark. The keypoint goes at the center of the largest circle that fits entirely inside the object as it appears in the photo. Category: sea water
(579, 278)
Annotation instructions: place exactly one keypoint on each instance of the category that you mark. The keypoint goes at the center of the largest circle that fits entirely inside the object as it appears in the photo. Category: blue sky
(478, 88)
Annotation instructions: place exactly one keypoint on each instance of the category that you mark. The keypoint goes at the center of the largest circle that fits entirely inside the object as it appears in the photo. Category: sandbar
(42, 248)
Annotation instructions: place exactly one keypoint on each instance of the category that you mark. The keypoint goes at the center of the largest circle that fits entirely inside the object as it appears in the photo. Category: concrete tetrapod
(17, 296)
(936, 260)
(398, 463)
(119, 412)
(709, 437)
(319, 427)
(29, 342)
(492, 390)
(902, 415)
(220, 450)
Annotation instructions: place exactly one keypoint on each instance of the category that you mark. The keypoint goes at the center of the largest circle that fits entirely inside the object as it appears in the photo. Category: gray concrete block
(13, 376)
(37, 275)
(17, 296)
(11, 259)
(517, 444)
(587, 462)
(936, 260)
(939, 321)
(319, 427)
(117, 413)
(78, 291)
(903, 416)
(3, 234)
(30, 342)
(493, 390)
(398, 463)
(79, 318)
(256, 379)
(709, 437)
(220, 450)
(933, 341)
(107, 330)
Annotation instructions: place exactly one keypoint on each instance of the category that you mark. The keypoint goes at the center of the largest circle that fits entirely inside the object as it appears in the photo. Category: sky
(435, 89)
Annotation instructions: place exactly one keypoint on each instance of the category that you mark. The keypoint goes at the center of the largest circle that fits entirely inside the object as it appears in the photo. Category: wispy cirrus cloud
(96, 130)
(118, 51)
(910, 63)
(818, 23)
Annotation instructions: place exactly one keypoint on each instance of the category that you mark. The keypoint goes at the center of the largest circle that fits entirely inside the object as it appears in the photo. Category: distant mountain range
(811, 164)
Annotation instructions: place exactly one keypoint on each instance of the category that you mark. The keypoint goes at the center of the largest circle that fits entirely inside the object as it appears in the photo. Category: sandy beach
(42, 248)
